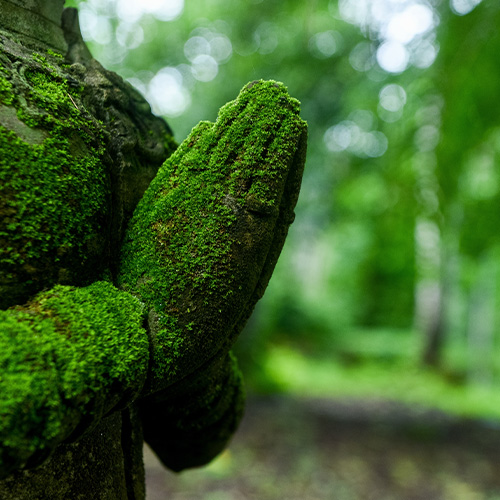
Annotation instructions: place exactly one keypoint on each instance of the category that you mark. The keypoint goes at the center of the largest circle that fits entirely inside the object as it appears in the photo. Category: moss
(41, 173)
(68, 353)
(6, 96)
(213, 204)
(54, 187)
(50, 52)
(5, 91)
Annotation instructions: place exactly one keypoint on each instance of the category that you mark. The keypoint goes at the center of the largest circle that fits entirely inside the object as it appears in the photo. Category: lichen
(69, 353)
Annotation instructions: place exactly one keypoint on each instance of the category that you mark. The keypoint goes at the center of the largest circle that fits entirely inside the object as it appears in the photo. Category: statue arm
(67, 358)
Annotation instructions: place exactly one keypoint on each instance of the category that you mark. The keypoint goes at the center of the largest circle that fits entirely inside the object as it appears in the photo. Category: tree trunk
(434, 327)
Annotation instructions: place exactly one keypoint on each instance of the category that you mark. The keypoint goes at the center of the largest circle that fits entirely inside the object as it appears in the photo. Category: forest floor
(316, 449)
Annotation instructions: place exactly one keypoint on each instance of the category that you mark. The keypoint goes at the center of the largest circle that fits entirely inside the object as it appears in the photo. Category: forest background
(388, 285)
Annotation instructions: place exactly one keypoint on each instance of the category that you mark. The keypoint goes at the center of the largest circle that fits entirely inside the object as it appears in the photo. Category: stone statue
(128, 265)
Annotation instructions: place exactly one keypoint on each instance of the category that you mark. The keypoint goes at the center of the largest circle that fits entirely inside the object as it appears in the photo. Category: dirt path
(290, 449)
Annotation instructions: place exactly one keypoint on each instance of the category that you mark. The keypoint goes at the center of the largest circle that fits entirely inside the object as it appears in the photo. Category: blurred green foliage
(396, 224)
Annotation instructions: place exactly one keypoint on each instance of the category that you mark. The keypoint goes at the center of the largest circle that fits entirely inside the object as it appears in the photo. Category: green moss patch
(72, 352)
(54, 187)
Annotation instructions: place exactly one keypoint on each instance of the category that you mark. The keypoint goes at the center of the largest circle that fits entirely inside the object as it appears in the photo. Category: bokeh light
(462, 7)
(404, 29)
(167, 94)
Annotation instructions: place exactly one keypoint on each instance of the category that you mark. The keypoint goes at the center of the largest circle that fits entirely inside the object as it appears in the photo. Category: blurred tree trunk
(434, 331)
(434, 296)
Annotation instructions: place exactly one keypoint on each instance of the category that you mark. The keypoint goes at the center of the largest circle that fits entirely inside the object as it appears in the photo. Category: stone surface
(34, 22)
(105, 464)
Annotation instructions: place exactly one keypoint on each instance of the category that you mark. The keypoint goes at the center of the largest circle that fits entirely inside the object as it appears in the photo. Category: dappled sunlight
(325, 44)
(167, 93)
(404, 26)
(208, 43)
(361, 56)
(392, 99)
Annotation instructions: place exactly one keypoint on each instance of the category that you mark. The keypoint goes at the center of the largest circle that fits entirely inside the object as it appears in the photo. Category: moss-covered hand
(199, 253)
